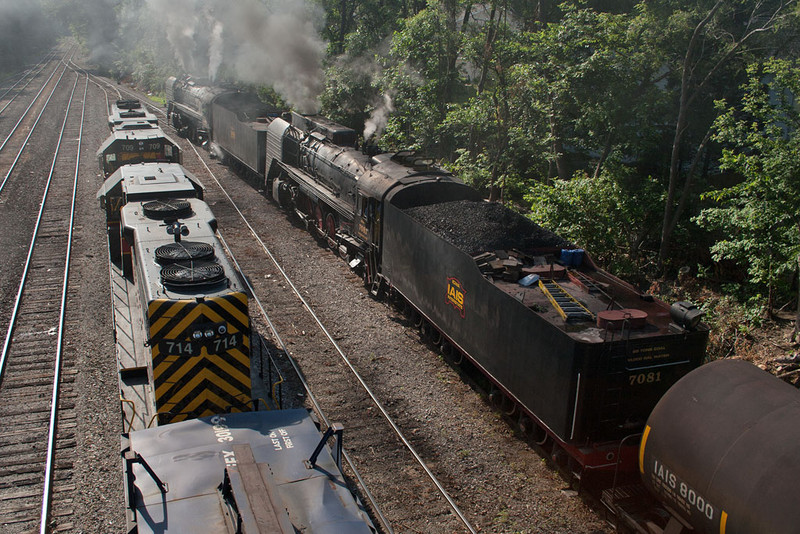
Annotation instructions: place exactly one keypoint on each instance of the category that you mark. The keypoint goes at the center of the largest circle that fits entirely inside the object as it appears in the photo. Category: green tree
(425, 77)
(705, 45)
(603, 213)
(759, 217)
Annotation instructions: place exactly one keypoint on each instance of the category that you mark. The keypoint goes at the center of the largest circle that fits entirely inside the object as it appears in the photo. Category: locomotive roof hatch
(149, 181)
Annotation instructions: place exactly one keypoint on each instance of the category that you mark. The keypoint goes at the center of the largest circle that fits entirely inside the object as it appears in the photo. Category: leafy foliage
(602, 212)
(595, 116)
(759, 218)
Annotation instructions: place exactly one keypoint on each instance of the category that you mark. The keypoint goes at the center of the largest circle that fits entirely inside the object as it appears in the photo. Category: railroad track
(350, 401)
(36, 395)
(16, 136)
(13, 91)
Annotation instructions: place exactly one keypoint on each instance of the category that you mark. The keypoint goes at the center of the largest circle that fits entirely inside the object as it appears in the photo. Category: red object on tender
(616, 319)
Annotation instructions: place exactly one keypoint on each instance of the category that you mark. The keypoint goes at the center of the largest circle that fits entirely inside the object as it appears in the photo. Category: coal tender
(581, 356)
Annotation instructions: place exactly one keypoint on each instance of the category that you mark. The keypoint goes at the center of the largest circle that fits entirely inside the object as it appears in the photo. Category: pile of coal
(476, 227)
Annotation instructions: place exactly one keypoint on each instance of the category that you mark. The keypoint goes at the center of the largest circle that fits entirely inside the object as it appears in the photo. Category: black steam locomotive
(196, 458)
(581, 356)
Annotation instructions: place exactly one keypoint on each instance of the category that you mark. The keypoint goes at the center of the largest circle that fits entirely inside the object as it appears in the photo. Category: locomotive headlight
(222, 329)
(208, 333)
(197, 334)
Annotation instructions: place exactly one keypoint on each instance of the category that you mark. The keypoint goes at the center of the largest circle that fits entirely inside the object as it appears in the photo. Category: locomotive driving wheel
(330, 229)
(318, 216)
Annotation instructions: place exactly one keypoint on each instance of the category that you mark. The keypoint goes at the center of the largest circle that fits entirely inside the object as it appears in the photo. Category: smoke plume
(272, 42)
(378, 118)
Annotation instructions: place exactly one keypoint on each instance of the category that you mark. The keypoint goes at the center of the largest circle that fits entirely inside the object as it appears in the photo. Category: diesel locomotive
(136, 142)
(197, 457)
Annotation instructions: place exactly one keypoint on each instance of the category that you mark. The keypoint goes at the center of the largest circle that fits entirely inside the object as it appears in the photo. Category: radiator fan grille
(191, 274)
(166, 209)
(184, 250)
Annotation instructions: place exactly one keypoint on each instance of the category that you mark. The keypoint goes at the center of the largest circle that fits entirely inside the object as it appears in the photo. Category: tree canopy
(596, 118)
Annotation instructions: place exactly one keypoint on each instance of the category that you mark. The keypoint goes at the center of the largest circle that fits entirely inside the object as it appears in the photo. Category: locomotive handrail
(133, 415)
(256, 401)
(155, 416)
(133, 457)
(335, 428)
(274, 386)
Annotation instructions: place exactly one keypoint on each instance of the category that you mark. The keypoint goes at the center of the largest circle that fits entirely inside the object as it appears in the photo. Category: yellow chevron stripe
(240, 356)
(199, 378)
(191, 365)
(179, 331)
(200, 310)
(162, 367)
(222, 363)
(222, 404)
(239, 312)
(175, 307)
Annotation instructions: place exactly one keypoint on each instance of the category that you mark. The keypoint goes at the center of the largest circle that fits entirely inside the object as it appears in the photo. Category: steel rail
(25, 113)
(43, 64)
(76, 67)
(33, 128)
(18, 300)
(309, 394)
(51, 438)
(376, 402)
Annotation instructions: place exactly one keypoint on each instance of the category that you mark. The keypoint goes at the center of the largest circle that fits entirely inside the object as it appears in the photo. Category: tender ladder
(565, 304)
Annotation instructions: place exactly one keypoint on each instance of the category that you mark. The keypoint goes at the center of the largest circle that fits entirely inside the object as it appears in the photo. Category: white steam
(378, 118)
(215, 50)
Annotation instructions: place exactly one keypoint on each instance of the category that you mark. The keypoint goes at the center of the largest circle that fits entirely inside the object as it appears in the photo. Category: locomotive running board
(135, 389)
